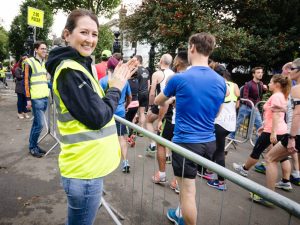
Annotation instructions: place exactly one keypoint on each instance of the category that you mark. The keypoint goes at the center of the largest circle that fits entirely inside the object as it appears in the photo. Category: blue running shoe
(171, 214)
(295, 180)
(216, 184)
(260, 168)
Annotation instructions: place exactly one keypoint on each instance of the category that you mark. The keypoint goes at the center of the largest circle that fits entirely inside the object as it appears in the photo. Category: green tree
(19, 32)
(169, 24)
(97, 6)
(3, 44)
(106, 39)
(275, 26)
(249, 32)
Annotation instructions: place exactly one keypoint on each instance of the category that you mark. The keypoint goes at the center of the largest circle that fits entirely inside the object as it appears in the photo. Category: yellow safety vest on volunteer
(85, 153)
(38, 80)
(2, 73)
(231, 96)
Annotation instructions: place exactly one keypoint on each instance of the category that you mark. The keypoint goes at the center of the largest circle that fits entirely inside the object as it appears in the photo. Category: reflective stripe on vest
(38, 80)
(85, 153)
(231, 96)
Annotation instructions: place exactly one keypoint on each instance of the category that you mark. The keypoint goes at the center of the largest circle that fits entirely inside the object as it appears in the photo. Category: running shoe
(125, 166)
(239, 168)
(131, 141)
(174, 186)
(157, 179)
(285, 186)
(168, 159)
(151, 149)
(260, 168)
(207, 175)
(216, 184)
(171, 214)
(295, 180)
(256, 198)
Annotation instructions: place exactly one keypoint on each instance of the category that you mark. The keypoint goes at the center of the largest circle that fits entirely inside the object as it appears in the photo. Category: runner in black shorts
(143, 91)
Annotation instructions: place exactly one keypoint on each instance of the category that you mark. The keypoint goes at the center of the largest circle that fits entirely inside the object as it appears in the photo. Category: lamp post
(152, 57)
(29, 42)
(117, 44)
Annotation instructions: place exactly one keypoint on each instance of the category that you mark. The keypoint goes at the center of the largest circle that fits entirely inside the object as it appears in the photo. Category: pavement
(31, 193)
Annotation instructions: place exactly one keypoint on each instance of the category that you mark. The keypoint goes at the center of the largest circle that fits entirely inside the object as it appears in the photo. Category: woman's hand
(273, 138)
(291, 147)
(122, 73)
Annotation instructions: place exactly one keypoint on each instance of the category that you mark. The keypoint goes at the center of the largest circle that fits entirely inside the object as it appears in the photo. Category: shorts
(154, 109)
(143, 99)
(190, 168)
(284, 141)
(167, 130)
(121, 129)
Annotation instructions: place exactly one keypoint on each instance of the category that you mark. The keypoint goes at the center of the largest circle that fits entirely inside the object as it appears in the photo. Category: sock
(285, 180)
(296, 174)
(162, 174)
(178, 212)
(153, 144)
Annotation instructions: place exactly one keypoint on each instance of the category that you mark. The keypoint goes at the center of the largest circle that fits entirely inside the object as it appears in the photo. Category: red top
(101, 69)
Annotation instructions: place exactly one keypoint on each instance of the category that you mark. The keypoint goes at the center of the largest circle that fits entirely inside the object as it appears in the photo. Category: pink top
(276, 103)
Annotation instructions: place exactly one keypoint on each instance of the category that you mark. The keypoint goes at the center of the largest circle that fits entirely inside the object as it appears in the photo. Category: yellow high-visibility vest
(231, 96)
(2, 73)
(85, 153)
(38, 80)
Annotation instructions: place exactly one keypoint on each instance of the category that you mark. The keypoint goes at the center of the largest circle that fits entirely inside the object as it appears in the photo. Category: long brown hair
(285, 83)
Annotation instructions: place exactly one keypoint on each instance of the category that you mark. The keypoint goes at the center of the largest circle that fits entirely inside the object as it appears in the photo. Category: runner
(224, 124)
(166, 123)
(194, 127)
(158, 83)
(274, 127)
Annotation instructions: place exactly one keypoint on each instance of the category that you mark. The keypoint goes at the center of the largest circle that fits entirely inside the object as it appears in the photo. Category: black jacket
(77, 93)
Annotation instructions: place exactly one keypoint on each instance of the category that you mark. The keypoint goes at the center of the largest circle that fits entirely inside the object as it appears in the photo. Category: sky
(11, 8)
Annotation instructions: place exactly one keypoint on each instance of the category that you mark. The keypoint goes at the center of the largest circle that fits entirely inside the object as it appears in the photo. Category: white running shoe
(239, 168)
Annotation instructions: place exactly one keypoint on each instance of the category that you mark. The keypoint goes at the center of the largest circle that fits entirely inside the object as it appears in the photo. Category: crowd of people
(191, 101)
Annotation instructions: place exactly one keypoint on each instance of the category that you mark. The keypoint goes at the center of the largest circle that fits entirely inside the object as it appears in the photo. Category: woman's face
(271, 85)
(84, 37)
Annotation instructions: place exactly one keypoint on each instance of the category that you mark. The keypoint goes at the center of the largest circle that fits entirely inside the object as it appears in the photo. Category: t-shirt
(143, 77)
(120, 111)
(101, 69)
(276, 102)
(199, 93)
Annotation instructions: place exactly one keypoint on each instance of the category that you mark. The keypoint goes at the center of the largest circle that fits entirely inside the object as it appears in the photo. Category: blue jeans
(84, 197)
(245, 111)
(21, 104)
(39, 107)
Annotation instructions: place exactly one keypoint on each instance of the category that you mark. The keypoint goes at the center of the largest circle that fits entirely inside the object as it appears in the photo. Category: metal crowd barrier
(50, 124)
(146, 202)
(259, 107)
(247, 125)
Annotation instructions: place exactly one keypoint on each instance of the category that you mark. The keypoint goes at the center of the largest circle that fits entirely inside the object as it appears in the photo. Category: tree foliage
(248, 32)
(97, 6)
(19, 32)
(106, 39)
(3, 44)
